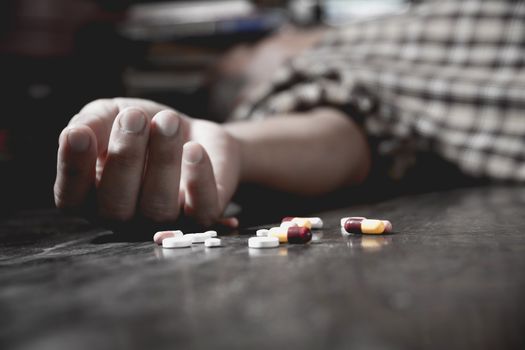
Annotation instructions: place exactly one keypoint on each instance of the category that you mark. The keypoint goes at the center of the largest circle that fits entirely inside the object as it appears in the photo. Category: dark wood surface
(452, 276)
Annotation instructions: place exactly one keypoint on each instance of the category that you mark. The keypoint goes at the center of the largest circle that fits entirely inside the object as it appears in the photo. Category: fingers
(160, 190)
(201, 202)
(121, 178)
(77, 156)
(99, 116)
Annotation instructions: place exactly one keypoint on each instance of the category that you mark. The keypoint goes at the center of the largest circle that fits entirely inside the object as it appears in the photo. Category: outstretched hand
(143, 159)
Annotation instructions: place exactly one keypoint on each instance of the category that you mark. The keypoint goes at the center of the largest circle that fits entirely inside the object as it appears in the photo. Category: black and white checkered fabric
(446, 77)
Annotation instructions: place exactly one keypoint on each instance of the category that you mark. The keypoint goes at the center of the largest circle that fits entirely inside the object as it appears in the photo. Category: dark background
(58, 55)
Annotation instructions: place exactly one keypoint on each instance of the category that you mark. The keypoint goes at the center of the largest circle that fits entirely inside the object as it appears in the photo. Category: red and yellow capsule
(294, 234)
(367, 226)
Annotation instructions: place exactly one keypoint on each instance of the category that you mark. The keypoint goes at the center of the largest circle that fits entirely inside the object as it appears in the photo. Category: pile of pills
(293, 230)
(177, 239)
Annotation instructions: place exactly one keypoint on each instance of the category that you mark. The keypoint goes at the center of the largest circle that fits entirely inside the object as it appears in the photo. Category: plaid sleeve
(445, 77)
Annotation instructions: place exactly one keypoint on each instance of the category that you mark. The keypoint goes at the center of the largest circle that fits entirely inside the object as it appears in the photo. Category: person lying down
(445, 77)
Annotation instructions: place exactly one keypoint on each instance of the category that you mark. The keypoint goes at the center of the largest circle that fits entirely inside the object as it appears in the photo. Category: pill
(177, 242)
(353, 226)
(366, 226)
(287, 224)
(315, 222)
(200, 237)
(291, 234)
(372, 226)
(161, 235)
(345, 219)
(301, 222)
(212, 242)
(262, 232)
(388, 226)
(212, 233)
(263, 242)
(190, 235)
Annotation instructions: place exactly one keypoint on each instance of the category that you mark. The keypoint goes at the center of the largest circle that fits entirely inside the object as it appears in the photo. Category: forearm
(306, 154)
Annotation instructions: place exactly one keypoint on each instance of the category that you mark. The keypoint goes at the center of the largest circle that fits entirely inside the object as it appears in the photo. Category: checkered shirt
(444, 77)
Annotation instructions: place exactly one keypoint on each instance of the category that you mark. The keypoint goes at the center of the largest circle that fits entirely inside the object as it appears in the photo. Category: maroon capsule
(353, 226)
(299, 235)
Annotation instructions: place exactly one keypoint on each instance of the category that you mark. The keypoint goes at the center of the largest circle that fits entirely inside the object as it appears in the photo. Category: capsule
(287, 224)
(301, 222)
(315, 222)
(388, 226)
(294, 235)
(345, 219)
(365, 226)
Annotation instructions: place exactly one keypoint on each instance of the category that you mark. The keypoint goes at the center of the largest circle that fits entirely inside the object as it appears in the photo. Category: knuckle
(95, 104)
(124, 156)
(164, 157)
(68, 170)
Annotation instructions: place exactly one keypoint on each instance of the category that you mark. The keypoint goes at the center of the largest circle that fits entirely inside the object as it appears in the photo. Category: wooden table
(451, 277)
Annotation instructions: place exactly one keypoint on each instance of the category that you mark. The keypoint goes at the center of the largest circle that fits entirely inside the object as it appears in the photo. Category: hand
(144, 159)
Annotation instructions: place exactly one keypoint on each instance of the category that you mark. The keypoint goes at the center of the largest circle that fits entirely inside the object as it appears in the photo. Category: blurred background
(57, 55)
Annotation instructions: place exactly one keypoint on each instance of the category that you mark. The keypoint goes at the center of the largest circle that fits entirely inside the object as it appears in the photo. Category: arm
(308, 154)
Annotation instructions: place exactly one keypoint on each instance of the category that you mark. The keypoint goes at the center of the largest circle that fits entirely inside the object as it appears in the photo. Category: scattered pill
(263, 242)
(370, 226)
(177, 242)
(201, 237)
(212, 233)
(161, 235)
(353, 226)
(190, 235)
(212, 242)
(301, 222)
(287, 224)
(345, 219)
(262, 232)
(388, 226)
(291, 234)
(315, 222)
(365, 226)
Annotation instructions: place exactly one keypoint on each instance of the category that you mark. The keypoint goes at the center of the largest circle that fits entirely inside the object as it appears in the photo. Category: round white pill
(201, 237)
(262, 232)
(212, 233)
(263, 242)
(161, 235)
(212, 242)
(177, 242)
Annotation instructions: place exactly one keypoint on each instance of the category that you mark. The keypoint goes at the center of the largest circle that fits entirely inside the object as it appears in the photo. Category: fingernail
(167, 123)
(192, 153)
(132, 121)
(78, 141)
